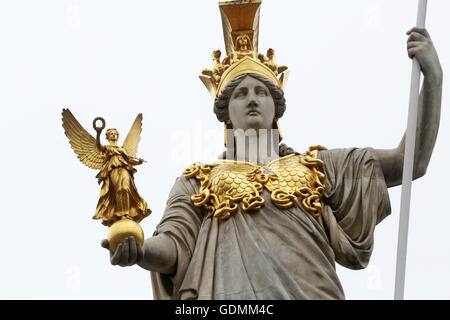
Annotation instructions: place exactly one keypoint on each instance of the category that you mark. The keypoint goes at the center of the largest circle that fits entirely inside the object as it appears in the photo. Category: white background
(349, 86)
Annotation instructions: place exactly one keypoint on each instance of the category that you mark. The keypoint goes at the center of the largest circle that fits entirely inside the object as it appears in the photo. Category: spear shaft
(408, 165)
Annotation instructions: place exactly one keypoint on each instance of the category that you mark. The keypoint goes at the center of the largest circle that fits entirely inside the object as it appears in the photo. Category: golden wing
(134, 135)
(82, 142)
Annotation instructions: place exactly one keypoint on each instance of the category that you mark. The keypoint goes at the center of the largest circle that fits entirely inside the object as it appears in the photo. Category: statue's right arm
(157, 254)
(99, 146)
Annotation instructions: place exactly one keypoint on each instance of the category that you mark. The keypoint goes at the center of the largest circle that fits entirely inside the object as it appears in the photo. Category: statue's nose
(252, 103)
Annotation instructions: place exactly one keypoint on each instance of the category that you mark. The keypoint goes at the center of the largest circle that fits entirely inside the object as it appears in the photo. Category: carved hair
(221, 103)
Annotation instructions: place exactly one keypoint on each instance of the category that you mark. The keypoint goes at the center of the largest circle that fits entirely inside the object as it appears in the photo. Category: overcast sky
(349, 86)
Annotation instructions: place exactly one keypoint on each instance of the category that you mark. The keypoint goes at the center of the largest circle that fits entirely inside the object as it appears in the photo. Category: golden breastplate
(226, 183)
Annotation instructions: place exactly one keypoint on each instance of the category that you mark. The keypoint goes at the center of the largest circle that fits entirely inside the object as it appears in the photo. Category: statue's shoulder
(314, 150)
(310, 158)
(201, 171)
(197, 169)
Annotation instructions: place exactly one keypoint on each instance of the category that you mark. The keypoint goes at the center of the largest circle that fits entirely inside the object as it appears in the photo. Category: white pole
(408, 166)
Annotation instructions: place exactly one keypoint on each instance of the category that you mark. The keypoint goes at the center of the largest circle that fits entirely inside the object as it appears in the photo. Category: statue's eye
(261, 92)
(240, 93)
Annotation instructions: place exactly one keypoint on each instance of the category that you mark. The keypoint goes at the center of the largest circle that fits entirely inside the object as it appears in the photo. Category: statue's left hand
(128, 252)
(421, 47)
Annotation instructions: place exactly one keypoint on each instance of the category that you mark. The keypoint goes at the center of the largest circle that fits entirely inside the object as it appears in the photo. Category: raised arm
(97, 140)
(420, 47)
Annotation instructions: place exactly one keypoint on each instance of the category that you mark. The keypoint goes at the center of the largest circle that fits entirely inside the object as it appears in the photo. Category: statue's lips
(253, 112)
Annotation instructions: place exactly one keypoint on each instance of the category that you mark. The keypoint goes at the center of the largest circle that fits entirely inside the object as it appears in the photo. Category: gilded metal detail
(120, 206)
(225, 183)
(240, 23)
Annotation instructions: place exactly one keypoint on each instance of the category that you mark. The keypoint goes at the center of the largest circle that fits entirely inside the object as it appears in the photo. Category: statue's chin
(250, 122)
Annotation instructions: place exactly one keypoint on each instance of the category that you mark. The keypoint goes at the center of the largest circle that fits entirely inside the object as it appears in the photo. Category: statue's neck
(255, 147)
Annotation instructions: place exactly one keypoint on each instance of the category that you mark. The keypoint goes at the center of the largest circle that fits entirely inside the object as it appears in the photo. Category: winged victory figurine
(120, 206)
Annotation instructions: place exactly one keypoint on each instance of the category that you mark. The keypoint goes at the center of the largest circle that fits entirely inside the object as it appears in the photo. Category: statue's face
(242, 42)
(113, 135)
(251, 106)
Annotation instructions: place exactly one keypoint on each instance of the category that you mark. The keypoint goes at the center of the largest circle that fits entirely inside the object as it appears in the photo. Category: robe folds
(275, 253)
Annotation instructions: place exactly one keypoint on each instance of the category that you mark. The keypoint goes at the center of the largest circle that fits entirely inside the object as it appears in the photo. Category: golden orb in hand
(122, 229)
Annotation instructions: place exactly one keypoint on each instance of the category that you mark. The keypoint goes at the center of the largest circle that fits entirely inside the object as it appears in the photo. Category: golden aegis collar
(226, 183)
